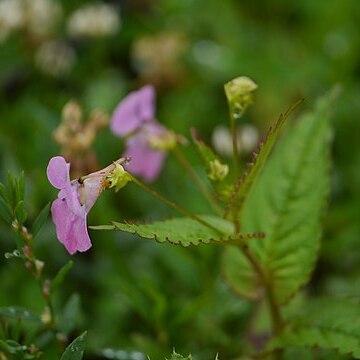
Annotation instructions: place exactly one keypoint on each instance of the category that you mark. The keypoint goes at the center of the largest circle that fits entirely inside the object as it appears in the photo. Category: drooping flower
(75, 200)
(147, 141)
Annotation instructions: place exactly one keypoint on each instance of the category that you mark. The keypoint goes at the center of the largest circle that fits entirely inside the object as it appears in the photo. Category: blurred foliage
(136, 297)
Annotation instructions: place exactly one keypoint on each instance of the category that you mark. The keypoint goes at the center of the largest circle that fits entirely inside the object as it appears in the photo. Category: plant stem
(202, 187)
(33, 267)
(173, 204)
(276, 317)
(234, 144)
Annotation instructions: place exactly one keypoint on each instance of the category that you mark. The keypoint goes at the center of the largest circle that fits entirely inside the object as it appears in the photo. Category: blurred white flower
(11, 17)
(247, 136)
(94, 21)
(34, 16)
(55, 57)
(41, 15)
(221, 140)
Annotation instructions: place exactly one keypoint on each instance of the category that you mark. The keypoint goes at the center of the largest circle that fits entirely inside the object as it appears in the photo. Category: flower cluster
(147, 142)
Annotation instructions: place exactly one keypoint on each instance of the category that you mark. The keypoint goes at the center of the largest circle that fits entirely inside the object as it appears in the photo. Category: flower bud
(218, 171)
(46, 316)
(118, 178)
(239, 94)
(39, 265)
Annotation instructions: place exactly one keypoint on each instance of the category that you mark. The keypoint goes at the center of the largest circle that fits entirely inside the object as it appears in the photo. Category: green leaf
(15, 191)
(14, 312)
(69, 316)
(246, 181)
(181, 231)
(5, 211)
(20, 187)
(40, 220)
(20, 212)
(75, 350)
(59, 277)
(287, 205)
(12, 190)
(326, 323)
(4, 193)
(175, 356)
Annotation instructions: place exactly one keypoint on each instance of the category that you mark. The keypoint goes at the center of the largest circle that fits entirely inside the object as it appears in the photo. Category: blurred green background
(132, 294)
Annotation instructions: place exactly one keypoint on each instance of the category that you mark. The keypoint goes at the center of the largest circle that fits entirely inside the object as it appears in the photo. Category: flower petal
(137, 108)
(147, 104)
(92, 188)
(62, 218)
(78, 237)
(71, 229)
(145, 162)
(58, 172)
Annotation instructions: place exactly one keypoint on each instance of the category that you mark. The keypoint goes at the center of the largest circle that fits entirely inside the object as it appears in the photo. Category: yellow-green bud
(218, 171)
(239, 94)
(46, 316)
(163, 142)
(118, 178)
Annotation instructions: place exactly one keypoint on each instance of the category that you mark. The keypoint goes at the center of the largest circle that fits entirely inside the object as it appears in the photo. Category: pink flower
(146, 140)
(74, 201)
(135, 110)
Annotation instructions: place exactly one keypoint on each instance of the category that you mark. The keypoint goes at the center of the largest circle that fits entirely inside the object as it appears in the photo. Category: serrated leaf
(59, 277)
(326, 323)
(20, 212)
(75, 351)
(287, 205)
(246, 181)
(5, 211)
(175, 356)
(14, 312)
(181, 231)
(40, 220)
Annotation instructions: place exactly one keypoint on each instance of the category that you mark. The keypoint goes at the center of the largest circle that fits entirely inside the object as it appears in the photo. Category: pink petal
(147, 104)
(145, 162)
(92, 188)
(58, 172)
(137, 108)
(78, 236)
(61, 218)
(71, 229)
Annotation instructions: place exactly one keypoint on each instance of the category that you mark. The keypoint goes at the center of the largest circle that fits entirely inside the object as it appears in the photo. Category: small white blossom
(247, 139)
(94, 21)
(55, 57)
(41, 15)
(36, 17)
(11, 17)
(221, 140)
